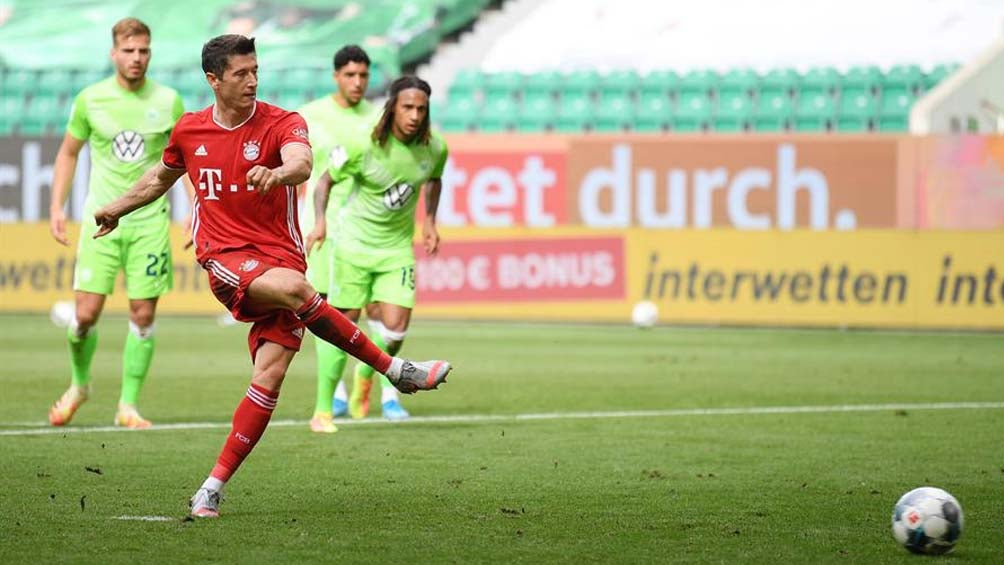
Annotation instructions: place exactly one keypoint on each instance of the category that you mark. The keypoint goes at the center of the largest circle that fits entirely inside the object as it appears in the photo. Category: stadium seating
(822, 99)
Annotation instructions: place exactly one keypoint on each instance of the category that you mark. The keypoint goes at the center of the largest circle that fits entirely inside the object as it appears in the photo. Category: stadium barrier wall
(754, 182)
(864, 278)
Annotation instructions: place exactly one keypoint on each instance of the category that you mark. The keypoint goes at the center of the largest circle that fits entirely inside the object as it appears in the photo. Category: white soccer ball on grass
(927, 520)
(645, 314)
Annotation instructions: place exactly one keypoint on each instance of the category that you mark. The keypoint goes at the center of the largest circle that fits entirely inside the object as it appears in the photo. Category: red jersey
(228, 214)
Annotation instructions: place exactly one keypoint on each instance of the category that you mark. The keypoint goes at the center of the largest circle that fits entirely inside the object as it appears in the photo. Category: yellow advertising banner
(36, 271)
(863, 278)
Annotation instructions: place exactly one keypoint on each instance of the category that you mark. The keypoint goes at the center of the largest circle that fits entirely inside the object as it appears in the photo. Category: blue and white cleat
(392, 410)
(339, 407)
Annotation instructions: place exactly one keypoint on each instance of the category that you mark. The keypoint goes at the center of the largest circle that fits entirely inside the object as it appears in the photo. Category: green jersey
(127, 132)
(330, 126)
(378, 218)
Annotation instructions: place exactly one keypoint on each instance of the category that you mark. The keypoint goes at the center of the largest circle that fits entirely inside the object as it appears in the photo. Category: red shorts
(230, 275)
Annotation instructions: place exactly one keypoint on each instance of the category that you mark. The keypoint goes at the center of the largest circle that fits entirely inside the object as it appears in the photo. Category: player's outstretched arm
(322, 191)
(296, 164)
(430, 235)
(151, 186)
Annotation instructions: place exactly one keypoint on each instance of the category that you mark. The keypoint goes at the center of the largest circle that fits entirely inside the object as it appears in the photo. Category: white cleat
(421, 375)
(205, 504)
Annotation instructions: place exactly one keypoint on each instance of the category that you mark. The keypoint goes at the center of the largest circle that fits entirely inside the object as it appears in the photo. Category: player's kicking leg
(289, 290)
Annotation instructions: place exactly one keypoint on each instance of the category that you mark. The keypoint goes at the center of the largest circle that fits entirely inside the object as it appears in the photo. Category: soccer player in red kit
(246, 158)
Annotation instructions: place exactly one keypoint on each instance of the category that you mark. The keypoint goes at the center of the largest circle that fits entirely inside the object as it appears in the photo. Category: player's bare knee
(270, 378)
(86, 318)
(142, 318)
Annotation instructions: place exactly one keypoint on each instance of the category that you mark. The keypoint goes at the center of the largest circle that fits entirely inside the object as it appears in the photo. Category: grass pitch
(616, 463)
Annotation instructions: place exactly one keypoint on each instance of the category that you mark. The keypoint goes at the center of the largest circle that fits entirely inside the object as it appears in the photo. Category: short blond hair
(128, 27)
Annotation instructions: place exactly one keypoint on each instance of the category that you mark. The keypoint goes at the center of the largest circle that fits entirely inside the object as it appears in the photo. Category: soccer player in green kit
(374, 261)
(332, 120)
(126, 119)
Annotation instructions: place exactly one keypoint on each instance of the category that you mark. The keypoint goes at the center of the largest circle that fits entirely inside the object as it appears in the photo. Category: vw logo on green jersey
(395, 197)
(128, 146)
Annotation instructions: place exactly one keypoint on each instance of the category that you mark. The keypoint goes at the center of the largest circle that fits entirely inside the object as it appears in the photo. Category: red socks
(333, 327)
(250, 420)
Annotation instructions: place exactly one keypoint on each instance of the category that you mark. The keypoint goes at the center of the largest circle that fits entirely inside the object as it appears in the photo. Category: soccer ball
(62, 313)
(645, 314)
(927, 520)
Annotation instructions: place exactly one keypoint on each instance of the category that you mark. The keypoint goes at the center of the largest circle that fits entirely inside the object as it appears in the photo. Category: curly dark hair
(382, 131)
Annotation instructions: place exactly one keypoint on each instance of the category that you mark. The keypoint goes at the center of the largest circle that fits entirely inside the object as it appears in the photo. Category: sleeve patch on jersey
(337, 157)
(301, 132)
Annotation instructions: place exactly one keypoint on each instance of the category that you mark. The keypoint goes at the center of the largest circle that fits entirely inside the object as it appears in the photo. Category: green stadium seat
(537, 113)
(894, 111)
(11, 112)
(54, 82)
(43, 115)
(502, 85)
(543, 83)
(817, 80)
(193, 80)
(701, 81)
(19, 82)
(291, 100)
(466, 83)
(460, 114)
(814, 113)
(498, 114)
(614, 113)
(619, 83)
(779, 81)
(693, 113)
(580, 83)
(773, 112)
(301, 81)
(735, 110)
(653, 113)
(193, 102)
(938, 74)
(83, 79)
(575, 114)
(739, 81)
(659, 83)
(857, 110)
(903, 77)
(862, 78)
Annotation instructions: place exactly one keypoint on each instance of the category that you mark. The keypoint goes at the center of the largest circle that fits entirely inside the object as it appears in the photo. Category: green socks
(330, 364)
(136, 359)
(81, 353)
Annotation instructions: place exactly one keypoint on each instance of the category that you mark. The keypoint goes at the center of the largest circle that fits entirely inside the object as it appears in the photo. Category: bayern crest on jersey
(251, 150)
(249, 265)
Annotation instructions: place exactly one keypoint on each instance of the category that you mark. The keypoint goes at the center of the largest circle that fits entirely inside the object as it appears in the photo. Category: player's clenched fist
(262, 178)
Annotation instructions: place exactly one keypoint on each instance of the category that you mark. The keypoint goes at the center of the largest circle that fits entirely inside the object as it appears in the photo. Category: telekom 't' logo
(209, 181)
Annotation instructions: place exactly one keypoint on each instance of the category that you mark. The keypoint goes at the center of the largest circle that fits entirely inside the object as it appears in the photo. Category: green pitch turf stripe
(480, 418)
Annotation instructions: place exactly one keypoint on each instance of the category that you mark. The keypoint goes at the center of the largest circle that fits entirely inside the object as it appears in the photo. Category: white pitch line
(147, 518)
(481, 418)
